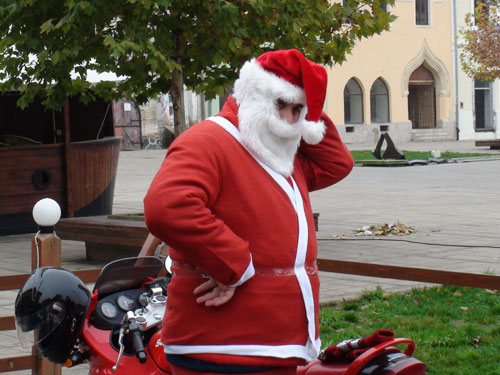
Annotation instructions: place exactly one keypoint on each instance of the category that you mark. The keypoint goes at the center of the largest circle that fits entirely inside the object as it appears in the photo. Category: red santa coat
(225, 216)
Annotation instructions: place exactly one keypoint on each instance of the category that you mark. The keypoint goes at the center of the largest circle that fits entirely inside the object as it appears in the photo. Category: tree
(480, 56)
(156, 46)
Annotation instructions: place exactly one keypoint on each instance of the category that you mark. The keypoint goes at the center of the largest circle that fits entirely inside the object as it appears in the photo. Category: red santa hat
(289, 76)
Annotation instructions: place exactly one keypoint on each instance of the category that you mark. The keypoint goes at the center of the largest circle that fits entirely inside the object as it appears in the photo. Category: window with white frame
(483, 105)
(422, 12)
(353, 103)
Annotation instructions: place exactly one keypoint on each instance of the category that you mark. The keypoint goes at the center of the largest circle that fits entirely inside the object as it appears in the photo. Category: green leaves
(47, 27)
(46, 43)
(480, 56)
(235, 44)
(86, 7)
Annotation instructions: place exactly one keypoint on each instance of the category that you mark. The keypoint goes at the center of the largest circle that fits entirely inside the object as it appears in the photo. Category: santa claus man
(231, 200)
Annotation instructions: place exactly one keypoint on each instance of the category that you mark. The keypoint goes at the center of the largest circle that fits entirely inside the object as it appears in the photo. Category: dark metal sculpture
(391, 151)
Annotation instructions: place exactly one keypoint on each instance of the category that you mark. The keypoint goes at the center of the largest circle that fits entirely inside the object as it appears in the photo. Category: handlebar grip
(138, 345)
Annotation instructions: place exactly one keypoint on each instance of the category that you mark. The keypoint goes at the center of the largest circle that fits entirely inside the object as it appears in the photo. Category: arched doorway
(422, 99)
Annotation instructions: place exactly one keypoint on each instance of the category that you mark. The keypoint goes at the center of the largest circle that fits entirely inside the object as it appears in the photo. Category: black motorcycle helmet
(53, 302)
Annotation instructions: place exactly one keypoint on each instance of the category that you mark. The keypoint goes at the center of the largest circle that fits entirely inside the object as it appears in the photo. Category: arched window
(379, 102)
(353, 103)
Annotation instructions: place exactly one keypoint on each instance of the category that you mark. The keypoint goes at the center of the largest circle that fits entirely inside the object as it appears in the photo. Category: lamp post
(46, 251)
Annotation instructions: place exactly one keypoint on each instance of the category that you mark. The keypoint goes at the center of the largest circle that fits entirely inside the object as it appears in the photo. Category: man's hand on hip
(217, 293)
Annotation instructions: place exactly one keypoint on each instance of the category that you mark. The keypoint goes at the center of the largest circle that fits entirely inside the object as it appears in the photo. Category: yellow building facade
(400, 81)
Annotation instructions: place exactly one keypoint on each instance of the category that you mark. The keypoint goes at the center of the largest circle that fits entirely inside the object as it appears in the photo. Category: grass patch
(415, 155)
(456, 330)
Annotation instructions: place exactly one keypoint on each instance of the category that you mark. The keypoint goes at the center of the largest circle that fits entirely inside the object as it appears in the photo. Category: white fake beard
(273, 140)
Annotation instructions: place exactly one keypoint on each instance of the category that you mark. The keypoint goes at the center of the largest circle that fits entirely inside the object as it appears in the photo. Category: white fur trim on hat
(256, 81)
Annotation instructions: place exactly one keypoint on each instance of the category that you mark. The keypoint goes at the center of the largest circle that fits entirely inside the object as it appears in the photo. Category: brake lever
(122, 348)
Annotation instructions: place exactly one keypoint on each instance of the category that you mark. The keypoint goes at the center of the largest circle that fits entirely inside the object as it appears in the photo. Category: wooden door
(422, 106)
(127, 124)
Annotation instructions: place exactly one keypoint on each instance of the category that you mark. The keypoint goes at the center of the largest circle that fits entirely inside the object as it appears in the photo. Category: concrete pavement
(454, 209)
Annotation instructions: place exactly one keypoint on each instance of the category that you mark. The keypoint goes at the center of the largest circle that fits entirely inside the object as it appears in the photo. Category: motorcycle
(116, 328)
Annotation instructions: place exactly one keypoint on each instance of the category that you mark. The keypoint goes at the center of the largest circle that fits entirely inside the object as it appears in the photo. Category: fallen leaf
(476, 341)
(397, 229)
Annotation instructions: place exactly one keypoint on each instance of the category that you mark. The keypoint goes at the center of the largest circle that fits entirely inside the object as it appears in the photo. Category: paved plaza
(454, 209)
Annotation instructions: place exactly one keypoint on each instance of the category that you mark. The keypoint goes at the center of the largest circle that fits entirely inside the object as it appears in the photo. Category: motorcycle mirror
(168, 264)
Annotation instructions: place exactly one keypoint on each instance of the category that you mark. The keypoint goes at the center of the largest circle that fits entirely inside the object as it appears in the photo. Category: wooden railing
(472, 280)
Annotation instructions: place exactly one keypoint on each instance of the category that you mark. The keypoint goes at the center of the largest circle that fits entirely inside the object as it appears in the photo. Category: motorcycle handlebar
(136, 332)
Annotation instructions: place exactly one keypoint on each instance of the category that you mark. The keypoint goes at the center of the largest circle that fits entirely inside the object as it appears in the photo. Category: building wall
(393, 56)
(465, 85)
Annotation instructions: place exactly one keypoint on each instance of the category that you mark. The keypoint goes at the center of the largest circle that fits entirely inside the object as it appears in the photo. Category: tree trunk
(177, 92)
(223, 98)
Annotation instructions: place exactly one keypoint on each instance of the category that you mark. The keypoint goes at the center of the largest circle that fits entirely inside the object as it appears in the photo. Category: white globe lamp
(46, 214)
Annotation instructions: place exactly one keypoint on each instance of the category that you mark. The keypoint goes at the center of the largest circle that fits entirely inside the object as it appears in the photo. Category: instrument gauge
(108, 310)
(125, 302)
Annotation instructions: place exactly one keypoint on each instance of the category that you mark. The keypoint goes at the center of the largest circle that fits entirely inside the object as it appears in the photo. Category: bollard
(45, 251)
